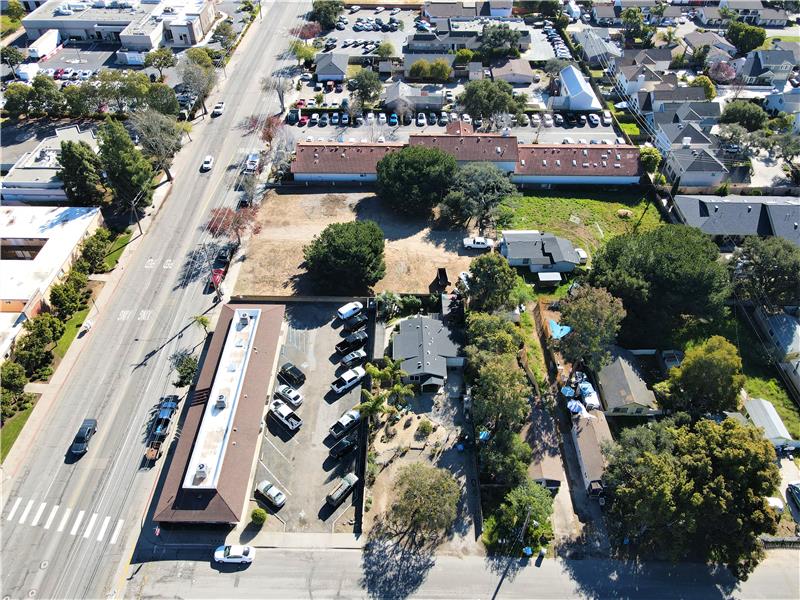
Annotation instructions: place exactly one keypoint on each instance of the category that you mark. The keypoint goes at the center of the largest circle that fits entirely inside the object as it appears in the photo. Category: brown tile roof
(225, 503)
(477, 148)
(459, 128)
(578, 159)
(315, 157)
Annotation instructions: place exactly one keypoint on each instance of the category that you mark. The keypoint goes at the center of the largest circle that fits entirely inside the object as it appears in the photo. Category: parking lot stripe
(103, 528)
(51, 517)
(13, 510)
(90, 526)
(278, 481)
(276, 449)
(25, 512)
(77, 523)
(115, 535)
(64, 520)
(38, 514)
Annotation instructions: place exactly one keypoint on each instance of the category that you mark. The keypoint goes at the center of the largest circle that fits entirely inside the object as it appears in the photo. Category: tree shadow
(395, 227)
(197, 264)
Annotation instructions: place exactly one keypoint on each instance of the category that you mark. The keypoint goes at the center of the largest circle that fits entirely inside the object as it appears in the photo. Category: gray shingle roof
(697, 160)
(424, 344)
(539, 248)
(676, 132)
(331, 63)
(622, 383)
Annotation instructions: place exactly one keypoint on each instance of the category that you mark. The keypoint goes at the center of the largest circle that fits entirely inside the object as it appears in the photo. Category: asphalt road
(67, 526)
(381, 573)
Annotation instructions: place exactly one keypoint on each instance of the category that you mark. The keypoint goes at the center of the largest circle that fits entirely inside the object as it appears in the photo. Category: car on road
(346, 423)
(344, 446)
(342, 489)
(288, 394)
(271, 493)
(355, 357)
(291, 375)
(208, 163)
(349, 310)
(478, 243)
(234, 554)
(80, 445)
(352, 342)
(218, 109)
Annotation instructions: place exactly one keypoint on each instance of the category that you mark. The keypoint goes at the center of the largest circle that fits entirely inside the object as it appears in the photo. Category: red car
(58, 73)
(300, 104)
(303, 121)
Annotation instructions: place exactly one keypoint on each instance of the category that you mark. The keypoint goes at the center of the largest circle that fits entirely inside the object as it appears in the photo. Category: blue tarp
(558, 331)
(567, 392)
(483, 436)
(574, 406)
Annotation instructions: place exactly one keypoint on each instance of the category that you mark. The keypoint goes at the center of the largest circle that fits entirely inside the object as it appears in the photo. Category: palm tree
(201, 321)
(393, 370)
(669, 36)
(399, 392)
(374, 404)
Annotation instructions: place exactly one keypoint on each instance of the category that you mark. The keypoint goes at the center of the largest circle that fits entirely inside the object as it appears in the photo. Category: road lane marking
(51, 517)
(103, 528)
(115, 535)
(276, 449)
(168, 264)
(38, 514)
(25, 512)
(285, 489)
(144, 315)
(151, 262)
(90, 526)
(13, 510)
(77, 523)
(64, 520)
(124, 315)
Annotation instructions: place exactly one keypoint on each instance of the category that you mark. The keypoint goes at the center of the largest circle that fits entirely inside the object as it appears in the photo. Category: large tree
(707, 85)
(650, 158)
(346, 257)
(14, 10)
(698, 491)
(160, 59)
(46, 97)
(367, 86)
(491, 283)
(493, 333)
(198, 79)
(595, 317)
(487, 98)
(478, 188)
(302, 52)
(225, 35)
(745, 37)
(125, 90)
(225, 222)
(159, 136)
(17, 97)
(81, 172)
(766, 271)
(750, 116)
(500, 40)
(162, 98)
(12, 56)
(326, 12)
(500, 395)
(661, 276)
(528, 506)
(504, 459)
(632, 22)
(414, 179)
(425, 501)
(128, 172)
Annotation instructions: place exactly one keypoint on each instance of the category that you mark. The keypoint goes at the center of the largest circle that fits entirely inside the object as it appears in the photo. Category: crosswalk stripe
(103, 528)
(89, 527)
(115, 535)
(38, 514)
(64, 520)
(13, 510)
(51, 517)
(25, 512)
(77, 523)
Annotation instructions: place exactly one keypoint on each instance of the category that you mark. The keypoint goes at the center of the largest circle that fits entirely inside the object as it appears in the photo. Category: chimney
(686, 142)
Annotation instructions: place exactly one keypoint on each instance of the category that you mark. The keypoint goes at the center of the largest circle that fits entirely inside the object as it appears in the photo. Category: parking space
(299, 462)
(540, 48)
(396, 38)
(82, 56)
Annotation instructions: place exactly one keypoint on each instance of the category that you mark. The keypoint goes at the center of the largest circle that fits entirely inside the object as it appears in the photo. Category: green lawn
(71, 329)
(116, 250)
(587, 219)
(11, 430)
(8, 25)
(783, 38)
(632, 129)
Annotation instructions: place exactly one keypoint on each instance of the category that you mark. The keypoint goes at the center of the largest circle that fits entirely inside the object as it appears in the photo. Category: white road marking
(115, 535)
(276, 449)
(167, 264)
(283, 487)
(13, 510)
(151, 262)
(25, 512)
(124, 315)
(144, 315)
(38, 514)
(103, 528)
(51, 517)
(77, 523)
(90, 526)
(64, 520)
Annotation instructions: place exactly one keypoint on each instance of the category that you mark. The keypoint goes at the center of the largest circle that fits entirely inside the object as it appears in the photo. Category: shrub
(425, 428)
(258, 516)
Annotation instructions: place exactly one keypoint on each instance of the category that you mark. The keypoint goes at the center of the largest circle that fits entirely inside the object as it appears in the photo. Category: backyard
(778, 38)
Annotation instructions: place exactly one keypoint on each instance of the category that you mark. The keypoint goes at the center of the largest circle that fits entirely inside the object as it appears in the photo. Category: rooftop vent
(749, 209)
(244, 320)
(222, 402)
(687, 141)
(202, 472)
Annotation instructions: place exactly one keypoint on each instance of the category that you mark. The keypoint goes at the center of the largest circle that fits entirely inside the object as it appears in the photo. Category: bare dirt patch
(273, 264)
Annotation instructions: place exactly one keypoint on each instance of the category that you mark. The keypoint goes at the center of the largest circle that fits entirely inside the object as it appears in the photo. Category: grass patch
(632, 129)
(71, 329)
(8, 25)
(11, 430)
(588, 220)
(116, 250)
(597, 73)
(352, 70)
(533, 349)
(778, 38)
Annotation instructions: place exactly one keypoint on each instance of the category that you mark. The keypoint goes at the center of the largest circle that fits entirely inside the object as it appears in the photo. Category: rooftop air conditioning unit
(222, 402)
(244, 320)
(202, 471)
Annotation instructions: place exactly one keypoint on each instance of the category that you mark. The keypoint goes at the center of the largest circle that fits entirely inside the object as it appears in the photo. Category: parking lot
(298, 463)
(396, 38)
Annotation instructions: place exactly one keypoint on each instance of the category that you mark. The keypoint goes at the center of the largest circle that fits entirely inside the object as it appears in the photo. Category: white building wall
(336, 177)
(559, 179)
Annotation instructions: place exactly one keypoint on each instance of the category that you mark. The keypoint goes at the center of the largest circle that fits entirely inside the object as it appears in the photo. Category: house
(400, 97)
(39, 244)
(575, 164)
(737, 216)
(695, 40)
(499, 150)
(632, 79)
(428, 349)
(680, 135)
(442, 42)
(596, 47)
(330, 66)
(410, 59)
(782, 330)
(623, 389)
(575, 94)
(710, 16)
(668, 97)
(695, 167)
(33, 178)
(590, 433)
(605, 14)
(657, 59)
(763, 415)
(786, 100)
(754, 12)
(514, 70)
(767, 67)
(475, 71)
(702, 114)
(793, 47)
(339, 162)
(539, 251)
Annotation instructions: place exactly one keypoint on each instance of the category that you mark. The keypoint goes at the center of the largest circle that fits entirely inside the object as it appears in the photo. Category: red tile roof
(459, 128)
(578, 160)
(474, 148)
(333, 157)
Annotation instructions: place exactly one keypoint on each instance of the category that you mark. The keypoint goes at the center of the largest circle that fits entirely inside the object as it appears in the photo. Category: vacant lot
(273, 265)
(586, 219)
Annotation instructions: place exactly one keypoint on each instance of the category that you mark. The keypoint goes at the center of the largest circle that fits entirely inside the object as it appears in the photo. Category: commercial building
(542, 164)
(339, 162)
(209, 473)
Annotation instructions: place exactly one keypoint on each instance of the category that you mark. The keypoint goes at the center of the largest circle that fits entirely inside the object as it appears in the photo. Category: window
(526, 261)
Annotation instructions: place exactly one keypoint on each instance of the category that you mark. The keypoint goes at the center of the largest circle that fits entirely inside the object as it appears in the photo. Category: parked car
(524, 120)
(582, 119)
(303, 121)
(351, 342)
(218, 109)
(547, 119)
(558, 119)
(346, 422)
(432, 119)
(421, 121)
(606, 117)
(344, 487)
(393, 121)
(594, 120)
(348, 379)
(466, 118)
(271, 493)
(234, 554)
(80, 445)
(793, 492)
(288, 394)
(349, 310)
(567, 140)
(354, 358)
(292, 375)
(345, 120)
(344, 446)
(208, 163)
(323, 120)
(536, 120)
(355, 322)
(478, 243)
(283, 413)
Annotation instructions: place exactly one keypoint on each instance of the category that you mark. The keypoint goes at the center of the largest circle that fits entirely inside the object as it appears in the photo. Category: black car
(407, 120)
(356, 322)
(352, 342)
(81, 443)
(292, 375)
(344, 446)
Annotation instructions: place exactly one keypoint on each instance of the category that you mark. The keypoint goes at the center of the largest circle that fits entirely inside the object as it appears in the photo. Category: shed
(763, 414)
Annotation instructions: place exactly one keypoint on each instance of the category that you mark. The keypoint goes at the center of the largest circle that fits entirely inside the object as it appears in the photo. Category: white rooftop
(41, 164)
(763, 414)
(208, 454)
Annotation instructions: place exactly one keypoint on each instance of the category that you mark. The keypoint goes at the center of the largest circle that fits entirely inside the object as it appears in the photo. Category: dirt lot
(289, 221)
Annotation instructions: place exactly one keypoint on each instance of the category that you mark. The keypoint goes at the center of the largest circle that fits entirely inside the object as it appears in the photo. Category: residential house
(501, 151)
(410, 59)
(695, 40)
(400, 97)
(339, 162)
(590, 433)
(788, 101)
(710, 16)
(682, 135)
(702, 114)
(574, 164)
(657, 59)
(514, 71)
(754, 12)
(448, 37)
(575, 94)
(623, 389)
(793, 47)
(539, 251)
(767, 67)
(331, 66)
(597, 48)
(696, 167)
(427, 348)
(763, 415)
(667, 97)
(633, 79)
(475, 71)
(605, 14)
(782, 330)
(726, 217)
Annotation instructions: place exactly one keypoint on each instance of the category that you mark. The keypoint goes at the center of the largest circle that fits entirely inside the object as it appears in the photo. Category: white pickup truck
(281, 411)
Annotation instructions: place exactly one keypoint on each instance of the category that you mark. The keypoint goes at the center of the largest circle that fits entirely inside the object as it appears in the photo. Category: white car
(306, 77)
(272, 494)
(567, 140)
(478, 243)
(354, 357)
(379, 10)
(463, 277)
(381, 118)
(370, 118)
(536, 120)
(421, 120)
(355, 8)
(394, 11)
(208, 163)
(86, 74)
(466, 118)
(348, 379)
(49, 72)
(290, 395)
(548, 120)
(350, 309)
(234, 554)
(594, 119)
(219, 108)
(606, 117)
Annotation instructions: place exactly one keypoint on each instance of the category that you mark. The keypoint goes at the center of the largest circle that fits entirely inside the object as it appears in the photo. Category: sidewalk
(309, 541)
